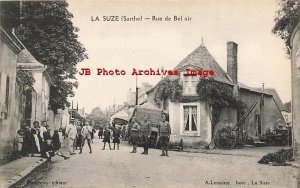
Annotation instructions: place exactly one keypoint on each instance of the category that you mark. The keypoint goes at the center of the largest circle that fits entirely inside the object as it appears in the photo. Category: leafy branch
(286, 19)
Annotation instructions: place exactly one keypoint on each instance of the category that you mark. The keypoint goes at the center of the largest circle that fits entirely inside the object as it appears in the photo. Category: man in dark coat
(106, 138)
(100, 133)
(164, 132)
(116, 137)
(27, 142)
(145, 134)
(134, 134)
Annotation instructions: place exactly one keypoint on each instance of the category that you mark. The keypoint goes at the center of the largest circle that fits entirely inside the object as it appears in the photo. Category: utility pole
(136, 91)
(114, 105)
(261, 108)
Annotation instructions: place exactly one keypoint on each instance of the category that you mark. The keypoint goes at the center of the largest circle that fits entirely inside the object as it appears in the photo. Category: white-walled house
(40, 95)
(191, 118)
(10, 115)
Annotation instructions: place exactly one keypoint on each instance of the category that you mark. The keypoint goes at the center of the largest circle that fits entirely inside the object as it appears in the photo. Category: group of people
(77, 135)
(142, 132)
(113, 133)
(39, 140)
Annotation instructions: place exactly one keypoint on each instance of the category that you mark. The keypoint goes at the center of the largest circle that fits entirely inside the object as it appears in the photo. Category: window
(190, 118)
(189, 85)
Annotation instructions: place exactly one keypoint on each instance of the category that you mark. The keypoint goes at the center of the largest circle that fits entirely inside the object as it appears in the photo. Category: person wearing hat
(134, 134)
(164, 132)
(86, 135)
(71, 132)
(145, 134)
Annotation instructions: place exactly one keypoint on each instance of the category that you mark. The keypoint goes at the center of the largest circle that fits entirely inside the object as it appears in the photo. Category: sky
(148, 44)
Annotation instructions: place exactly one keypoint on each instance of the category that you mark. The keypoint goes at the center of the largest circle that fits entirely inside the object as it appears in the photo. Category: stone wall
(295, 66)
(10, 122)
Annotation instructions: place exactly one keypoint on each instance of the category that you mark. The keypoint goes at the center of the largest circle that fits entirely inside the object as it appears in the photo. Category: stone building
(192, 121)
(295, 57)
(10, 116)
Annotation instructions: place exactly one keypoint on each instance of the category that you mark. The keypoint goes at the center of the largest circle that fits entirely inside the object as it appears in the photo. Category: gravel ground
(119, 168)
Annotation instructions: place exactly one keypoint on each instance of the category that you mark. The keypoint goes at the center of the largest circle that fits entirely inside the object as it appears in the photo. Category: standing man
(100, 133)
(164, 132)
(145, 134)
(116, 137)
(86, 135)
(43, 129)
(71, 132)
(134, 134)
(78, 140)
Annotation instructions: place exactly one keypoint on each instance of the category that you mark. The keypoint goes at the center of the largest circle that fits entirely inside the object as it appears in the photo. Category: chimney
(232, 60)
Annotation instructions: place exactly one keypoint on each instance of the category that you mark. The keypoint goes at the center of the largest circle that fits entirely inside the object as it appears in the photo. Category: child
(106, 138)
(60, 135)
(116, 137)
(19, 141)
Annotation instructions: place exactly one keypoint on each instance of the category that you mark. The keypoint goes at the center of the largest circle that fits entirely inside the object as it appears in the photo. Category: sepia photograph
(149, 93)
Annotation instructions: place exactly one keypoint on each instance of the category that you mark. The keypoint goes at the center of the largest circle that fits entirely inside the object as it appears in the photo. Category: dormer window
(189, 84)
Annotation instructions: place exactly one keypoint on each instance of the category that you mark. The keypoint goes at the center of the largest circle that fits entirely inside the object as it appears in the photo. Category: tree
(48, 33)
(286, 19)
(98, 116)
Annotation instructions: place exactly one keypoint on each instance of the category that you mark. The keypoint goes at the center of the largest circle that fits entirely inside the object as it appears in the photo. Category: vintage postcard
(150, 93)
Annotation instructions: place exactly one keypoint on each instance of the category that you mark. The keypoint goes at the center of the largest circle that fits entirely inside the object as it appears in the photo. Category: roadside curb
(25, 173)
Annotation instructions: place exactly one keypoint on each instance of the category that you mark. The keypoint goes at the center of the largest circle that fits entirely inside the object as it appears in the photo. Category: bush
(278, 158)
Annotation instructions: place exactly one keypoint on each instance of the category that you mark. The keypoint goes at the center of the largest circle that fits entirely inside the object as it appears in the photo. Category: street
(120, 168)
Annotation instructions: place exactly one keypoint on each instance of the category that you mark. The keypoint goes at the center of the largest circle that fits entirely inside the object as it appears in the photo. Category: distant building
(81, 112)
(295, 56)
(142, 96)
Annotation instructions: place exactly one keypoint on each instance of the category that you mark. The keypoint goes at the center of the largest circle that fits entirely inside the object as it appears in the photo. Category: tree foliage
(167, 88)
(218, 96)
(47, 31)
(286, 19)
(25, 77)
(98, 116)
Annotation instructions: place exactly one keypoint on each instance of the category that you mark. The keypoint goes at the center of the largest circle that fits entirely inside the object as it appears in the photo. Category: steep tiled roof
(202, 59)
(27, 60)
(267, 91)
(276, 97)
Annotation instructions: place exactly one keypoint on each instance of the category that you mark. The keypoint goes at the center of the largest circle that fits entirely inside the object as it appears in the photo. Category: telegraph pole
(136, 91)
(262, 107)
